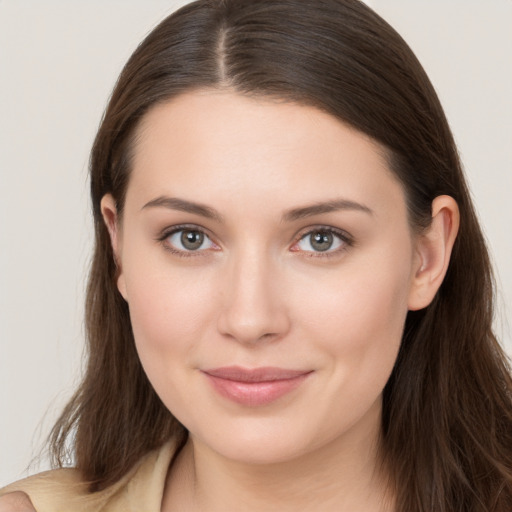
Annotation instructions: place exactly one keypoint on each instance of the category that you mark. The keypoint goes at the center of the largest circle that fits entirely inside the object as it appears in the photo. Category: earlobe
(433, 251)
(110, 217)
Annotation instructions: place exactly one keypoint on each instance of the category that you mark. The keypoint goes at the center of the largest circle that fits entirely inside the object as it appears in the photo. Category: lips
(254, 387)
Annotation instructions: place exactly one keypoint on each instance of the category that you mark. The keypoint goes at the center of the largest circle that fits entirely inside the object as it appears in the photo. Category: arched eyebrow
(182, 205)
(175, 203)
(325, 207)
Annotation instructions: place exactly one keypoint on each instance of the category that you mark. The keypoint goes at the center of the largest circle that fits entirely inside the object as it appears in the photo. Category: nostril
(257, 328)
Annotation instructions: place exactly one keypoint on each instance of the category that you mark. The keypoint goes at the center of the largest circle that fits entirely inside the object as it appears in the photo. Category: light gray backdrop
(58, 63)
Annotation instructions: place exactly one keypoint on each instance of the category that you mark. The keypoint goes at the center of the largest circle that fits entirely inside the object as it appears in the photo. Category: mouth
(254, 387)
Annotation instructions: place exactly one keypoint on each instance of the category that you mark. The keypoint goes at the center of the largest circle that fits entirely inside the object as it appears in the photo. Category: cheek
(355, 322)
(171, 315)
(169, 310)
(357, 316)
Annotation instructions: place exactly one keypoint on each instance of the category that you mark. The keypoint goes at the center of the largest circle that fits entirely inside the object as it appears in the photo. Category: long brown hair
(447, 412)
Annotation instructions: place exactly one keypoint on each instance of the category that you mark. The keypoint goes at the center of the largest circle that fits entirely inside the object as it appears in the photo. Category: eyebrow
(174, 203)
(325, 207)
(182, 205)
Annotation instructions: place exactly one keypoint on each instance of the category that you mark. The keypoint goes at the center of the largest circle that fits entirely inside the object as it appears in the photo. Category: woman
(290, 301)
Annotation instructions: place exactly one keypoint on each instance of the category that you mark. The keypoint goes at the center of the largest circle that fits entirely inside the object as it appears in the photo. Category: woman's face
(268, 264)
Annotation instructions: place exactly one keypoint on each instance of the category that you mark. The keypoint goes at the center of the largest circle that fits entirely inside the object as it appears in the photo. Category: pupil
(321, 241)
(192, 240)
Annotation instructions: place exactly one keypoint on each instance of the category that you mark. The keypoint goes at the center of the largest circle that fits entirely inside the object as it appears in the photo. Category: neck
(341, 476)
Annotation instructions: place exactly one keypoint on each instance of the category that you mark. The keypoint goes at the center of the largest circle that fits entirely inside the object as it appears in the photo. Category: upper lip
(263, 374)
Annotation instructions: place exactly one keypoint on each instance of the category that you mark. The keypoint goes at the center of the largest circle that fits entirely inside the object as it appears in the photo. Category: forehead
(215, 144)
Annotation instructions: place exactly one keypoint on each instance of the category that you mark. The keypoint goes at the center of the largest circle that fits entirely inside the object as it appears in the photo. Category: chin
(259, 443)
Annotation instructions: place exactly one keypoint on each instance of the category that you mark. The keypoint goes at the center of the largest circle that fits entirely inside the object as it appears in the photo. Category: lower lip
(255, 394)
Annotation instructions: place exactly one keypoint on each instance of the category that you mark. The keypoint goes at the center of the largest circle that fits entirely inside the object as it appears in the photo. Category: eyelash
(176, 229)
(346, 240)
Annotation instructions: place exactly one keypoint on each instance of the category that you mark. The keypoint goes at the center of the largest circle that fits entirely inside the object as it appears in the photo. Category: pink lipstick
(254, 387)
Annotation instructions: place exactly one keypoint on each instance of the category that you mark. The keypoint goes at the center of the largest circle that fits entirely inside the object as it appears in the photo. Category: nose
(253, 305)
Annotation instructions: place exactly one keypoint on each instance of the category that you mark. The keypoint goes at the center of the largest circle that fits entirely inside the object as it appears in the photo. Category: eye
(187, 240)
(323, 240)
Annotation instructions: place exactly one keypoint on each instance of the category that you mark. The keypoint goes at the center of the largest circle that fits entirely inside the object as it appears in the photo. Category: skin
(16, 502)
(258, 293)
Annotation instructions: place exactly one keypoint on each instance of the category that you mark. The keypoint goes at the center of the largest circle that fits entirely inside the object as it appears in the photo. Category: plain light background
(58, 63)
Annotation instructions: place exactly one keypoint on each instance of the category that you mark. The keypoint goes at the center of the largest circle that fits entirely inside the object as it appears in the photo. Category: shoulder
(64, 490)
(51, 489)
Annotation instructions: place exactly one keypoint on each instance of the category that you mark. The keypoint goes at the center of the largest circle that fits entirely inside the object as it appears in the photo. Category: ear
(433, 251)
(110, 217)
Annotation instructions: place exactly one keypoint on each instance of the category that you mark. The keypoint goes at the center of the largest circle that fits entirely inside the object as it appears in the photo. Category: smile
(254, 387)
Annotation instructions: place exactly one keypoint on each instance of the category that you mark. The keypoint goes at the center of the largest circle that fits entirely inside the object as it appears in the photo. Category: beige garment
(61, 490)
